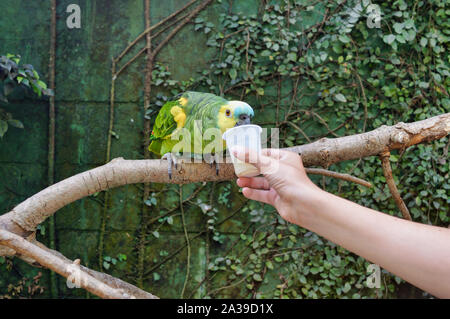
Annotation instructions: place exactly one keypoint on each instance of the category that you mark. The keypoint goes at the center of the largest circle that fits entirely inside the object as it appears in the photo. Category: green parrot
(192, 114)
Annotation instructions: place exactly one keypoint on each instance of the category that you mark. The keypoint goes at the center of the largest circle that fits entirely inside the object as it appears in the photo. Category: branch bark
(387, 170)
(345, 177)
(325, 152)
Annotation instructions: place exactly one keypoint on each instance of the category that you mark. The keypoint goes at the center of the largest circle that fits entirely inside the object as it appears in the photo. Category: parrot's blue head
(242, 112)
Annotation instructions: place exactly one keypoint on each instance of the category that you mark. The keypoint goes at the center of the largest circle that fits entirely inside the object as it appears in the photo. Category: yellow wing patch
(178, 116)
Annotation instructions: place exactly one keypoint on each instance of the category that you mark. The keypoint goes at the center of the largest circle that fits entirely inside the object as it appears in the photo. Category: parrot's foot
(172, 160)
(213, 160)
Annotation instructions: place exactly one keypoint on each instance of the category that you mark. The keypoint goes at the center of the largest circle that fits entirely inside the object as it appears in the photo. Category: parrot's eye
(228, 113)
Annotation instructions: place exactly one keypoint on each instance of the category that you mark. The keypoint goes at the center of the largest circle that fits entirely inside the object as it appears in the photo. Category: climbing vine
(318, 70)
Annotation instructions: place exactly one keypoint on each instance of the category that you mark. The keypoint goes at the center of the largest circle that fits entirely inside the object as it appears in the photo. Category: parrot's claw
(213, 160)
(172, 161)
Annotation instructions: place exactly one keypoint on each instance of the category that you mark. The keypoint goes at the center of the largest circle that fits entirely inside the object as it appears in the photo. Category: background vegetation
(312, 68)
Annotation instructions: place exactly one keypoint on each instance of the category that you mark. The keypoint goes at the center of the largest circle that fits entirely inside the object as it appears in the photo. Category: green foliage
(111, 261)
(329, 76)
(12, 75)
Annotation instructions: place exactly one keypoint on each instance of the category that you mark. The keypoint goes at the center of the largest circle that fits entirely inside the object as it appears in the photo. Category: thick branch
(387, 170)
(63, 267)
(111, 281)
(325, 152)
(37, 208)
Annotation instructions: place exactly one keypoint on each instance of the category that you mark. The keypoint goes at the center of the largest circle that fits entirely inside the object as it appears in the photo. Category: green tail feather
(155, 146)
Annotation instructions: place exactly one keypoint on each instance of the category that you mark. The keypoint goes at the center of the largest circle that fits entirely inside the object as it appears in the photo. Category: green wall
(83, 79)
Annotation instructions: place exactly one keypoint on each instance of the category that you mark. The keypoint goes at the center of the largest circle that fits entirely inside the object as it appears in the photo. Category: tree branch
(105, 278)
(71, 270)
(345, 177)
(149, 29)
(326, 151)
(175, 30)
(387, 170)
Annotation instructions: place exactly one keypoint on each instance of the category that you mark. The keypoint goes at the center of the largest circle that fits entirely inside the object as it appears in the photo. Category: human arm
(418, 253)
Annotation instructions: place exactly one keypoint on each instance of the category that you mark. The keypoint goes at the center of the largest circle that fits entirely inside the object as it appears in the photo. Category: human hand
(285, 184)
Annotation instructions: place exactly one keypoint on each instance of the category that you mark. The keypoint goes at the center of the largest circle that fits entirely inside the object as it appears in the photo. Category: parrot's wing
(170, 117)
(164, 123)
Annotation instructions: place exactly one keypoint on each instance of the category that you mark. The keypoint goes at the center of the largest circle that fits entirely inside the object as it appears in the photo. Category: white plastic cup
(244, 136)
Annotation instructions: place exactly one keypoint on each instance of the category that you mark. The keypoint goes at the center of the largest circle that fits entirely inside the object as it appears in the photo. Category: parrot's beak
(244, 119)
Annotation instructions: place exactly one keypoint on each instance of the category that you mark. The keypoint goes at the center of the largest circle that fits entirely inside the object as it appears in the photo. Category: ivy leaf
(340, 98)
(233, 74)
(398, 27)
(152, 201)
(423, 42)
(292, 56)
(400, 38)
(346, 287)
(409, 24)
(344, 38)
(314, 270)
(269, 264)
(389, 39)
(257, 277)
(424, 85)
(432, 42)
(410, 35)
